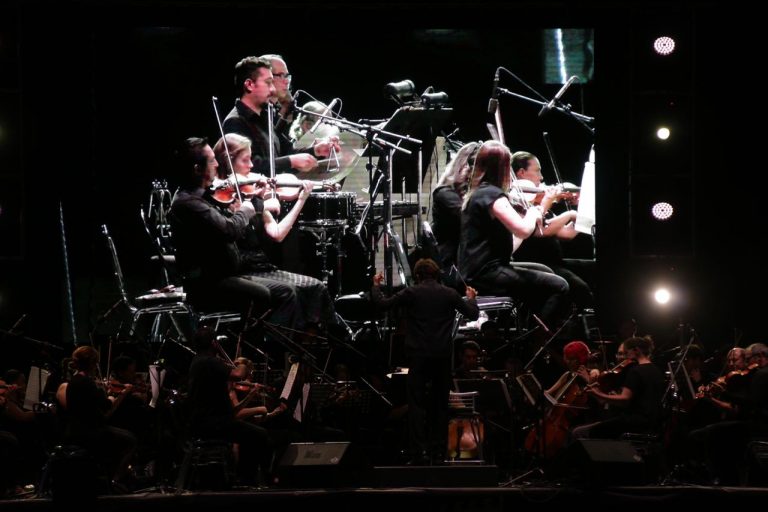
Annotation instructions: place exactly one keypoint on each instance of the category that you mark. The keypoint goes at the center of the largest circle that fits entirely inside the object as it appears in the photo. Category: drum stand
(327, 236)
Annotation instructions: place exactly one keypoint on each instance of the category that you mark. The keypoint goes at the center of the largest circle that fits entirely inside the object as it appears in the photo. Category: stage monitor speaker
(309, 465)
(605, 462)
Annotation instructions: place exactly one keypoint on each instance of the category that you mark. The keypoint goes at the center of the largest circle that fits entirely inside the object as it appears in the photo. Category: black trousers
(428, 387)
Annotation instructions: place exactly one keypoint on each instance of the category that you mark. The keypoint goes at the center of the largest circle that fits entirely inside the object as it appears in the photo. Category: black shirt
(485, 243)
(446, 224)
(204, 237)
(430, 309)
(244, 121)
(209, 391)
(646, 382)
(541, 249)
(86, 403)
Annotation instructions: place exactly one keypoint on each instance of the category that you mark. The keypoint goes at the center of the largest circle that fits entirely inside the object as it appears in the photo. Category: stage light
(664, 45)
(402, 92)
(662, 296)
(662, 211)
(663, 133)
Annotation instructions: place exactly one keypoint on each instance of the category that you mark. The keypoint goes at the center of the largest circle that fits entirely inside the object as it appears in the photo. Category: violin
(115, 387)
(245, 385)
(610, 380)
(286, 187)
(729, 381)
(532, 194)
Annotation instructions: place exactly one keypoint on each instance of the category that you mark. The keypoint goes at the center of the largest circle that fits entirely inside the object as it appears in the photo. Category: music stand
(492, 392)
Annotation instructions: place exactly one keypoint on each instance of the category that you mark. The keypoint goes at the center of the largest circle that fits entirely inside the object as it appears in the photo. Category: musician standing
(430, 309)
(256, 85)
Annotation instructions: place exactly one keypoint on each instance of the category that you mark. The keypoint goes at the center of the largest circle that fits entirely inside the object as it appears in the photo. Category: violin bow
(214, 99)
(551, 153)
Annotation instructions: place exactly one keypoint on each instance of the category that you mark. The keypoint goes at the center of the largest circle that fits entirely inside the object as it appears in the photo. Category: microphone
(549, 106)
(329, 108)
(493, 103)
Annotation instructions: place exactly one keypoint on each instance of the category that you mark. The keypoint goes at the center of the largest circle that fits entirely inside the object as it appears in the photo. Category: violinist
(546, 249)
(248, 397)
(206, 253)
(722, 444)
(297, 300)
(132, 413)
(256, 85)
(736, 359)
(87, 409)
(640, 397)
(485, 251)
(212, 414)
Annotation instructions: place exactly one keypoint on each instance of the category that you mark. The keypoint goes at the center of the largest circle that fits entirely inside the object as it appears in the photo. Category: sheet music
(585, 215)
(289, 381)
(35, 386)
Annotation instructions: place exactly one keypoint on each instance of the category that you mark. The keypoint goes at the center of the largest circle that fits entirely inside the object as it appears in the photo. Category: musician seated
(576, 357)
(133, 412)
(298, 301)
(470, 356)
(640, 397)
(488, 218)
(249, 397)
(87, 407)
(206, 253)
(212, 414)
(547, 249)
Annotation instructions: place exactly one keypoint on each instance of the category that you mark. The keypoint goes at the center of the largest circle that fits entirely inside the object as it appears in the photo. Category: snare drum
(328, 208)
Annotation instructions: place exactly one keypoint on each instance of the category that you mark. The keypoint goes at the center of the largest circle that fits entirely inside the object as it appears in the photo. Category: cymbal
(335, 168)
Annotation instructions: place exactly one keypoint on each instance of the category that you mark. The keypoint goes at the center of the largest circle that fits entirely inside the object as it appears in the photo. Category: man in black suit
(430, 309)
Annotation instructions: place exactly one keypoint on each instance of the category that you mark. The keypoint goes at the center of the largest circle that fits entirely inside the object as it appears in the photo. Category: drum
(328, 208)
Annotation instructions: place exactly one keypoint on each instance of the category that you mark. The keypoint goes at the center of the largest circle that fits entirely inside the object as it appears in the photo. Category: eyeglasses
(284, 76)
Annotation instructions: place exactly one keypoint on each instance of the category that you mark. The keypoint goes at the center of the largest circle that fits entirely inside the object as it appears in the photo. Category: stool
(207, 465)
(465, 428)
(493, 304)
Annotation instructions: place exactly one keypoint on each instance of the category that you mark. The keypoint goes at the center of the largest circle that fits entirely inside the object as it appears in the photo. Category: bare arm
(521, 227)
(279, 230)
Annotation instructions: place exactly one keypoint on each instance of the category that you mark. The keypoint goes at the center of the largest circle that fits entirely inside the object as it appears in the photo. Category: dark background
(95, 95)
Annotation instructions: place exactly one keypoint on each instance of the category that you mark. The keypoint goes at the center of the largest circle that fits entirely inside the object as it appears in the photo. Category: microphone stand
(554, 104)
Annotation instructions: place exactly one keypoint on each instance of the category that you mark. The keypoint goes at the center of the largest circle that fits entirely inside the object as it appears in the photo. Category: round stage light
(663, 133)
(662, 296)
(662, 211)
(664, 45)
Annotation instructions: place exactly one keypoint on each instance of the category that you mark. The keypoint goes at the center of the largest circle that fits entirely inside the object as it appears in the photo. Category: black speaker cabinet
(605, 462)
(310, 465)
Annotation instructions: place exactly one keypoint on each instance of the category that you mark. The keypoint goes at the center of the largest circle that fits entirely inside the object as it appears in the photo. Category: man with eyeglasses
(282, 98)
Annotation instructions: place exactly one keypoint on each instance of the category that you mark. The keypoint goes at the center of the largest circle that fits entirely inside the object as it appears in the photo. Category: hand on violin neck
(306, 190)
